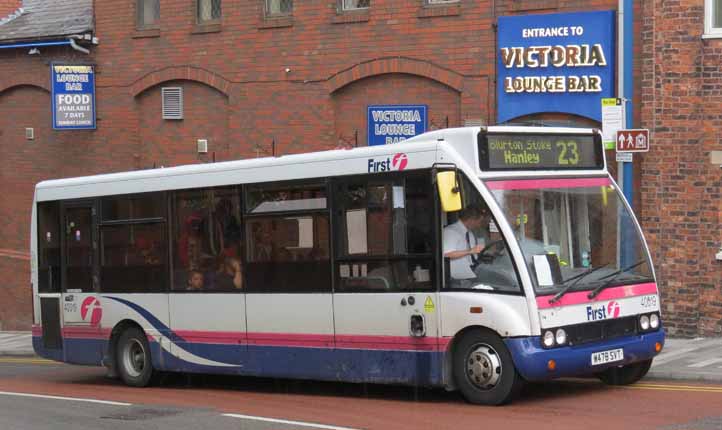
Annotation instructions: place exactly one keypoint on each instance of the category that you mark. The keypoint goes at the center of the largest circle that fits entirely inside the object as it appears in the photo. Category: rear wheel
(133, 359)
(484, 370)
(625, 375)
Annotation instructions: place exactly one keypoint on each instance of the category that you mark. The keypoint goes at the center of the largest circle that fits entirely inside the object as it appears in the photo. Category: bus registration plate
(607, 356)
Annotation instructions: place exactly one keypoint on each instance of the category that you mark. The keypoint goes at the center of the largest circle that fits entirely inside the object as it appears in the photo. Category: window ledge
(276, 22)
(524, 5)
(214, 27)
(712, 35)
(146, 32)
(433, 10)
(347, 17)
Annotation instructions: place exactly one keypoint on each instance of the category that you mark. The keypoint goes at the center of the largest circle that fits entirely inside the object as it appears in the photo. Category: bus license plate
(607, 356)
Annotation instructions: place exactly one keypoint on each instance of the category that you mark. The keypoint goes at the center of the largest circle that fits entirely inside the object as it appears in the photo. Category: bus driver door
(385, 300)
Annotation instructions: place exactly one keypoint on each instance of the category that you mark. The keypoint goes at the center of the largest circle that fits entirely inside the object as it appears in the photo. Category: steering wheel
(494, 249)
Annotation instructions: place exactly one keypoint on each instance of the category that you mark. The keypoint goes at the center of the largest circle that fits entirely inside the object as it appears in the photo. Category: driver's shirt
(457, 239)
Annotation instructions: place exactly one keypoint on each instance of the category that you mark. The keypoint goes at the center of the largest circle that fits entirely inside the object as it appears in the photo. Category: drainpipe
(74, 45)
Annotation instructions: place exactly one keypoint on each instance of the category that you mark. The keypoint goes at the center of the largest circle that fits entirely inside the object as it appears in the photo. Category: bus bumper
(531, 360)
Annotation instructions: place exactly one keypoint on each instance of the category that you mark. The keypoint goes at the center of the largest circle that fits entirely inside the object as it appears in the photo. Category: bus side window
(133, 245)
(48, 230)
(287, 231)
(207, 240)
(385, 236)
(474, 226)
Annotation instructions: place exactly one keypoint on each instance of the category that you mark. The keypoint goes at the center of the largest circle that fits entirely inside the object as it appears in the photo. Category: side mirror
(449, 192)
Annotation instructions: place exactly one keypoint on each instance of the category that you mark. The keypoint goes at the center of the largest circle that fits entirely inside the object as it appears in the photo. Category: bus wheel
(133, 358)
(625, 375)
(484, 370)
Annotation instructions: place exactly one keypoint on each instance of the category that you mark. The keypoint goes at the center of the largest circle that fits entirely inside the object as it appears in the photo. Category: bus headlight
(548, 339)
(644, 322)
(561, 336)
(654, 321)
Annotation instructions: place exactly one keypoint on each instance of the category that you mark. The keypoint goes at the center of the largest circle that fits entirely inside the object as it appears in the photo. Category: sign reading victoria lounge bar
(555, 63)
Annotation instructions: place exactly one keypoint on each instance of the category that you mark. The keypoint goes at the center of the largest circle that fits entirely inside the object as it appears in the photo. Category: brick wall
(681, 98)
(9, 6)
(240, 97)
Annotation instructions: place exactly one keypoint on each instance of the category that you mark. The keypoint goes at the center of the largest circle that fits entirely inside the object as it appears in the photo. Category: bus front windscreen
(575, 234)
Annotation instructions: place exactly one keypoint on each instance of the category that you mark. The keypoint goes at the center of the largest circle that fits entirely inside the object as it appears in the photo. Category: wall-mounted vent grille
(172, 102)
(29, 133)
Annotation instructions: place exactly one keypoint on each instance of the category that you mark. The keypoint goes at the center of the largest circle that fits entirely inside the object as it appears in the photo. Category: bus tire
(133, 359)
(625, 375)
(484, 370)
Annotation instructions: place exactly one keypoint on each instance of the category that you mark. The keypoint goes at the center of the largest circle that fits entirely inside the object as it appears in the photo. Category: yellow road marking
(688, 388)
(18, 360)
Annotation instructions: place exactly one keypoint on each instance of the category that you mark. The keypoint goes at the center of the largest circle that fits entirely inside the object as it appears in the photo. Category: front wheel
(133, 358)
(484, 370)
(625, 375)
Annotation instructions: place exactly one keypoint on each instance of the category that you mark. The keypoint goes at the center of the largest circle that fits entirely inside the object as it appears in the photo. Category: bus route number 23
(568, 152)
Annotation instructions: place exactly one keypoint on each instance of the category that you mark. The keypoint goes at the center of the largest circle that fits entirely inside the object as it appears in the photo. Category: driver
(461, 245)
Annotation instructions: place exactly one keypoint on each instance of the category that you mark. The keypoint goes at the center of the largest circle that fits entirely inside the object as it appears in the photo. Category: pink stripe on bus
(405, 343)
(580, 297)
(533, 184)
(218, 337)
(85, 332)
(291, 339)
(395, 343)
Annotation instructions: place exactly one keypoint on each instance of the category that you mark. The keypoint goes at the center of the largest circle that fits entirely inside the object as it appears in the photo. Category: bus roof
(269, 169)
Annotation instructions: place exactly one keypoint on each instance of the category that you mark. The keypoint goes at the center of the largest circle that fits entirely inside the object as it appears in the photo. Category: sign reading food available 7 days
(73, 97)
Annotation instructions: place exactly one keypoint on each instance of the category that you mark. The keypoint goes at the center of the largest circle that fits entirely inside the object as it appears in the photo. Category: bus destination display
(538, 151)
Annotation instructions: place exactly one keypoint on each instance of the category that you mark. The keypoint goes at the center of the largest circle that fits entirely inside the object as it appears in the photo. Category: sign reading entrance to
(560, 62)
(73, 97)
(634, 140)
(395, 123)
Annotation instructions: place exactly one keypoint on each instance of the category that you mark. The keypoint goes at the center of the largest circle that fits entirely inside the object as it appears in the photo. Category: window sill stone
(276, 22)
(146, 32)
(349, 17)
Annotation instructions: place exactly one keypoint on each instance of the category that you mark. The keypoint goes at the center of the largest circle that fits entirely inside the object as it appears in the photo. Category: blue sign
(395, 123)
(73, 96)
(555, 63)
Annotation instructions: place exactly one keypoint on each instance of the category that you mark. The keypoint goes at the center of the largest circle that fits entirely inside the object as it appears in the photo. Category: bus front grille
(601, 330)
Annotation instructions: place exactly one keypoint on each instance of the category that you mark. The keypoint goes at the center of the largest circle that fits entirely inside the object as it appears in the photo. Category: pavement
(697, 359)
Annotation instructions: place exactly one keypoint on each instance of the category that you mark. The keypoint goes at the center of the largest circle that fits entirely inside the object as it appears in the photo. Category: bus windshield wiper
(576, 280)
(612, 277)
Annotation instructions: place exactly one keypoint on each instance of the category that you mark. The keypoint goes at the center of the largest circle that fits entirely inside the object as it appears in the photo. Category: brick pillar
(9, 6)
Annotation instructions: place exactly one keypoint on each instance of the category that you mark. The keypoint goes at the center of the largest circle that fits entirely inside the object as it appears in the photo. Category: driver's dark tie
(474, 259)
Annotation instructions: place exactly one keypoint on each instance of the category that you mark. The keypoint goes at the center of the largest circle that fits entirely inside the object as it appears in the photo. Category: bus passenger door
(385, 297)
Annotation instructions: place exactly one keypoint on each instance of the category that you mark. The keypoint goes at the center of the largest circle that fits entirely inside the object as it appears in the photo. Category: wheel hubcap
(134, 358)
(483, 367)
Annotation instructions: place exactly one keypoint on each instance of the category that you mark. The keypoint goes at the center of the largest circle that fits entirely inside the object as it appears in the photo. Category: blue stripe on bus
(351, 365)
